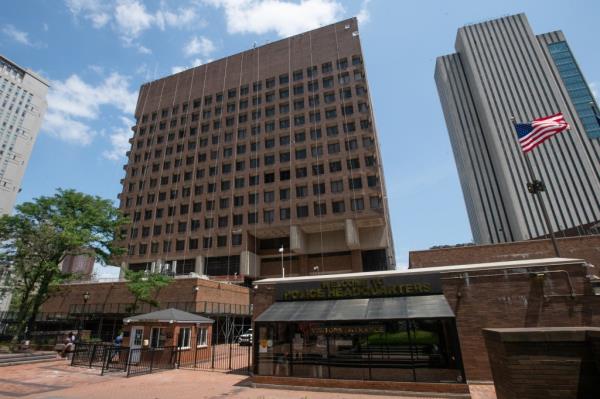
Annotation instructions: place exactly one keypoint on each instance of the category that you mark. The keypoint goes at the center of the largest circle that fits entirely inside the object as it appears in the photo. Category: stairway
(14, 359)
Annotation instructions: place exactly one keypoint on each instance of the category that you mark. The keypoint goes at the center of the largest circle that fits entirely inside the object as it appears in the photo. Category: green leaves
(144, 286)
(35, 240)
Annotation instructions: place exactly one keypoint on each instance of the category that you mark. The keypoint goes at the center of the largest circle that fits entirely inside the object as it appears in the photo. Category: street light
(282, 267)
(86, 297)
(316, 269)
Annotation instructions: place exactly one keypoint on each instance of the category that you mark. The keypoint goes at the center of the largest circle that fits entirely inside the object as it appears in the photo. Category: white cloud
(62, 126)
(45, 26)
(17, 35)
(195, 62)
(199, 46)
(286, 18)
(363, 15)
(144, 50)
(73, 103)
(132, 19)
(96, 11)
(119, 140)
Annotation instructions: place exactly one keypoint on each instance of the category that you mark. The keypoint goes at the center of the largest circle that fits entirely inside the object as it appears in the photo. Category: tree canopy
(35, 240)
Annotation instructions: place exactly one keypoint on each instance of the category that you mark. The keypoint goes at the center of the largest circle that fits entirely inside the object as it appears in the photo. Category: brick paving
(57, 380)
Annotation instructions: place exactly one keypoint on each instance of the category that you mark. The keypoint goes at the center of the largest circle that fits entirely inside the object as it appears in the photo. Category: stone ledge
(542, 334)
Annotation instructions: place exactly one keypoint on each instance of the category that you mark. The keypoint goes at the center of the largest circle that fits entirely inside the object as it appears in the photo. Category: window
(269, 196)
(201, 337)
(206, 242)
(284, 194)
(338, 206)
(184, 337)
(157, 337)
(236, 239)
(355, 183)
(333, 148)
(297, 75)
(301, 172)
(302, 211)
(299, 137)
(284, 214)
(352, 164)
(284, 78)
(252, 217)
(221, 241)
(269, 216)
(327, 67)
(318, 188)
(375, 202)
(301, 153)
(335, 166)
(301, 191)
(318, 169)
(238, 220)
(358, 204)
(337, 186)
(320, 209)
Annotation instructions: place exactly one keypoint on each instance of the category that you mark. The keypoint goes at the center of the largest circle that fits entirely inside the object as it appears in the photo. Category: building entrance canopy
(413, 307)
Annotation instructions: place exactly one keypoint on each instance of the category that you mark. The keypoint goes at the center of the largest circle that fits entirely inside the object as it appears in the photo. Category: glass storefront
(415, 350)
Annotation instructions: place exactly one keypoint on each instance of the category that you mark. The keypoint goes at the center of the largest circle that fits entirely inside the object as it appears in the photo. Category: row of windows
(244, 90)
(284, 194)
(297, 120)
(268, 217)
(253, 180)
(316, 151)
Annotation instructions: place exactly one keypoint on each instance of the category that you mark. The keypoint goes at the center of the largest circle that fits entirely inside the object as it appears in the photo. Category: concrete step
(28, 358)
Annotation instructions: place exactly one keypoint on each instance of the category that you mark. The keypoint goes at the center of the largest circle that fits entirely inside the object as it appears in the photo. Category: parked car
(246, 338)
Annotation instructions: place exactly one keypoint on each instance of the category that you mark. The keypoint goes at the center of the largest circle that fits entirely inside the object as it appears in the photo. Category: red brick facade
(583, 247)
(547, 293)
(190, 293)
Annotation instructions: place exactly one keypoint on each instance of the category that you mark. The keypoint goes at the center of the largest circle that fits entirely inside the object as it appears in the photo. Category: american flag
(539, 130)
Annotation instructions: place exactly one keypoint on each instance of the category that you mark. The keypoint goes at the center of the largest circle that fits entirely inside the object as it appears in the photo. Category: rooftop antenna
(254, 45)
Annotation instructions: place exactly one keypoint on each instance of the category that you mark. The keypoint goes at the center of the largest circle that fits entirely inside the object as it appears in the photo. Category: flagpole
(535, 188)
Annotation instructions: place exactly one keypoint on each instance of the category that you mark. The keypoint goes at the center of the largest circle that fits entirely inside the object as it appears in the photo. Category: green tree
(144, 287)
(36, 239)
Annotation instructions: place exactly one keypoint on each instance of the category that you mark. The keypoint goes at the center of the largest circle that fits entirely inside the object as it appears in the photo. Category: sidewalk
(59, 380)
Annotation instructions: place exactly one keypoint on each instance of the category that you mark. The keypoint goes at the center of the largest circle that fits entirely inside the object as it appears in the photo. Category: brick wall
(584, 247)
(503, 298)
(543, 363)
(179, 291)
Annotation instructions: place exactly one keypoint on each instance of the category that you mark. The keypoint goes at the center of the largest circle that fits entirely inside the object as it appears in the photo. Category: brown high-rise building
(271, 148)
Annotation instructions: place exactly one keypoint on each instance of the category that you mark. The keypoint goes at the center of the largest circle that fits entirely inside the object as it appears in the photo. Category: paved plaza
(58, 380)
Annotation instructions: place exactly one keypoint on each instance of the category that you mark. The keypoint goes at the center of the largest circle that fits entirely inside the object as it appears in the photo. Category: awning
(408, 307)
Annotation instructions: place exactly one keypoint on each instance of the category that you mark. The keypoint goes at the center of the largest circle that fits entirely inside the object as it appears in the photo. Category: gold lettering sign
(334, 330)
(357, 288)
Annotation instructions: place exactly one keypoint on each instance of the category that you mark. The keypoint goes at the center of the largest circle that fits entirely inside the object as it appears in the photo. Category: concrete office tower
(22, 107)
(501, 69)
(271, 148)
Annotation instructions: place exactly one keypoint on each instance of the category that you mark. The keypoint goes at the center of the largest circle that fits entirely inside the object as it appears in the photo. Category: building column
(199, 265)
(297, 240)
(249, 264)
(352, 236)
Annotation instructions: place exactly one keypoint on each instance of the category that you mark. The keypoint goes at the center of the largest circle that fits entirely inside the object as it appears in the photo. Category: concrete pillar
(297, 240)
(199, 265)
(124, 266)
(352, 237)
(249, 264)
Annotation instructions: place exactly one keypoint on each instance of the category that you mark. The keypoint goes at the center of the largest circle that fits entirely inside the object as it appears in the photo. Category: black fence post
(151, 358)
(230, 345)
(212, 353)
(93, 355)
(249, 365)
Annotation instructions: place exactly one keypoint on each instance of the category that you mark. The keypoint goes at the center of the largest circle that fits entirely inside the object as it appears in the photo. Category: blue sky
(97, 54)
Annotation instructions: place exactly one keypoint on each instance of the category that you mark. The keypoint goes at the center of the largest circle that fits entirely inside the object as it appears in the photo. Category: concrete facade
(22, 108)
(502, 70)
(272, 147)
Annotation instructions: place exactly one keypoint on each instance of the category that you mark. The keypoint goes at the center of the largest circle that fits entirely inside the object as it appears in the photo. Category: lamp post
(282, 267)
(86, 297)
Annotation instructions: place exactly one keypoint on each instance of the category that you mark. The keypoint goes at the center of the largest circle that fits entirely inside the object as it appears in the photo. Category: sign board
(379, 287)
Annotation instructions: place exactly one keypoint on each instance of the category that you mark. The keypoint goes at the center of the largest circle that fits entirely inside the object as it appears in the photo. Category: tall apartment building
(501, 69)
(263, 160)
(22, 108)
